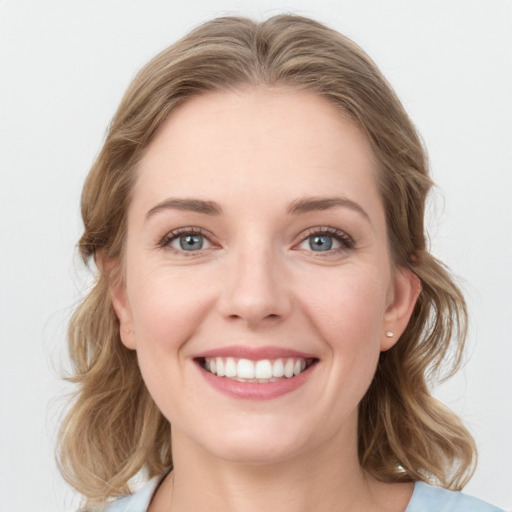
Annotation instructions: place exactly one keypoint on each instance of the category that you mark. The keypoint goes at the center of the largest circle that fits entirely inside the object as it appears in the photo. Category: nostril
(263, 317)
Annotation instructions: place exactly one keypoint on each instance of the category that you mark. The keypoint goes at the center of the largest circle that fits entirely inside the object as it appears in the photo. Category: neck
(324, 479)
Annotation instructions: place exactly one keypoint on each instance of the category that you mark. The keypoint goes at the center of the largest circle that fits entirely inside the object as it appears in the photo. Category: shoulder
(426, 498)
(137, 502)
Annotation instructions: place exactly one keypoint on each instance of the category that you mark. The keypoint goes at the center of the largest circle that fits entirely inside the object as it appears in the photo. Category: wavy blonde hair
(113, 429)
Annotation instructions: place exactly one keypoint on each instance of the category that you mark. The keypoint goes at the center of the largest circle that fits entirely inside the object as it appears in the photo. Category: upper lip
(254, 353)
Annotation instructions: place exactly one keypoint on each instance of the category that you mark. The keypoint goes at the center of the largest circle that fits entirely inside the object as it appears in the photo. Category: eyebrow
(314, 204)
(297, 207)
(191, 205)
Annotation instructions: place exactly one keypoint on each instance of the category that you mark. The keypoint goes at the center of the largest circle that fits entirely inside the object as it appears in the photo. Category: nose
(256, 290)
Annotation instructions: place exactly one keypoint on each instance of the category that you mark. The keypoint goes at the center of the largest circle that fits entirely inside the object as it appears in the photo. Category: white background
(63, 68)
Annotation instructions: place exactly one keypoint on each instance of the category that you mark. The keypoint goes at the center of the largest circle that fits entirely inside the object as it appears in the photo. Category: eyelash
(346, 241)
(165, 242)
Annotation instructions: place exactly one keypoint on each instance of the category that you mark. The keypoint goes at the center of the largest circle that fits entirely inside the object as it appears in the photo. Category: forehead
(275, 141)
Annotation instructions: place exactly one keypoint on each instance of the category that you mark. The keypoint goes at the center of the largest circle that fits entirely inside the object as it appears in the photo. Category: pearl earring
(389, 334)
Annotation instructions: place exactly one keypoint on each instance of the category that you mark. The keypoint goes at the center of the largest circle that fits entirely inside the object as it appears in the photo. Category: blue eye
(327, 240)
(185, 240)
(320, 242)
(190, 242)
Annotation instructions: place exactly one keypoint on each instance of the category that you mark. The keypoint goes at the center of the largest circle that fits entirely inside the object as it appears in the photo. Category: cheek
(168, 307)
(348, 313)
(352, 301)
(167, 310)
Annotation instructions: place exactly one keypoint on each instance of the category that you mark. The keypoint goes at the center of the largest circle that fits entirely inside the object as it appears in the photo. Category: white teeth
(245, 369)
(261, 371)
(277, 368)
(230, 367)
(220, 367)
(288, 368)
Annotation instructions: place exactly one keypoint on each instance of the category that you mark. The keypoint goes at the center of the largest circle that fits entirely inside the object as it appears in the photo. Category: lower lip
(255, 390)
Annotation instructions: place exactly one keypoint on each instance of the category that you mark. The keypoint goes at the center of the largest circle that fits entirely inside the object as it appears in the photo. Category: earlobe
(119, 298)
(406, 289)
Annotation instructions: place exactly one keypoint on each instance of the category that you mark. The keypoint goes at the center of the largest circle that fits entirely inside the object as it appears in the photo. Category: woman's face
(257, 248)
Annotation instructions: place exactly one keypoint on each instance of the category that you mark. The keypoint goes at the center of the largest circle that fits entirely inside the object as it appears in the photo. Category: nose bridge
(255, 289)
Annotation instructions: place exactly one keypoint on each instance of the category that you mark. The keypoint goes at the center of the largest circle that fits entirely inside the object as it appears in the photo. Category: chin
(258, 446)
(256, 455)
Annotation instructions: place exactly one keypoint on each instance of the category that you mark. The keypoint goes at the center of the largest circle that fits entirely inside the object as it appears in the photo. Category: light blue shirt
(425, 498)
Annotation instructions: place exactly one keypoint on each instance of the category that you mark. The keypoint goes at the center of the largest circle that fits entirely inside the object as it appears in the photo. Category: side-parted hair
(113, 429)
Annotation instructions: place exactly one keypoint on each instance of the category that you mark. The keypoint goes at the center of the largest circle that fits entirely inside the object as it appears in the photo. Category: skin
(258, 282)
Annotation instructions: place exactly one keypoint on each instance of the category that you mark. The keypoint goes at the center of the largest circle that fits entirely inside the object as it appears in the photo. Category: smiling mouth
(260, 371)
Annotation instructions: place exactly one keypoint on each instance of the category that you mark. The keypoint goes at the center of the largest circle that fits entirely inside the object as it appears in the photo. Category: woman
(266, 313)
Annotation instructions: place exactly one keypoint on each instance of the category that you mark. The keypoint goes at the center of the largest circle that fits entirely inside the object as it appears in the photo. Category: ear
(406, 287)
(117, 290)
